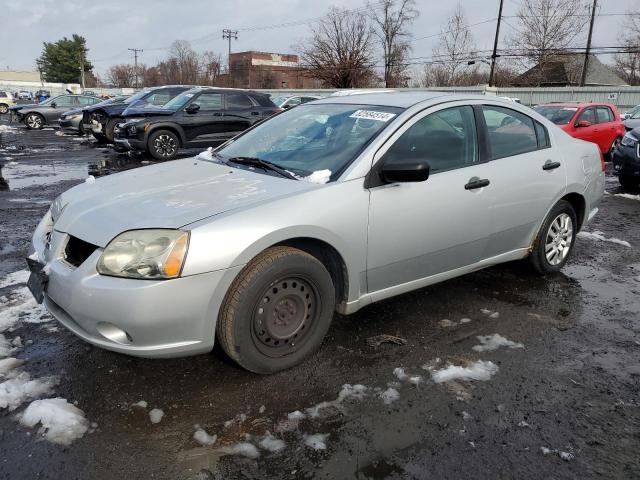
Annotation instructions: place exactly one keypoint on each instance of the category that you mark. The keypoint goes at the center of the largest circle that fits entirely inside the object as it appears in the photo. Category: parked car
(6, 101)
(331, 205)
(626, 160)
(199, 117)
(36, 116)
(630, 113)
(71, 121)
(594, 122)
(25, 95)
(632, 121)
(101, 120)
(289, 101)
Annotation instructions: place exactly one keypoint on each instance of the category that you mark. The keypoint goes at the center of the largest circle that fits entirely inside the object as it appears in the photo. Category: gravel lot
(563, 404)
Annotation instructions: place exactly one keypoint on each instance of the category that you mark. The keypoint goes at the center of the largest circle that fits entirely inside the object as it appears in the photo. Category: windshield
(176, 103)
(133, 98)
(635, 113)
(558, 115)
(313, 138)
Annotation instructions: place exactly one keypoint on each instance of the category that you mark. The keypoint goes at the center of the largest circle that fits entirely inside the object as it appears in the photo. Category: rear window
(3, 94)
(238, 100)
(262, 100)
(604, 114)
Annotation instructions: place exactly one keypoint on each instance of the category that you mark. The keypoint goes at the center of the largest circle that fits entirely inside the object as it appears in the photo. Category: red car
(598, 123)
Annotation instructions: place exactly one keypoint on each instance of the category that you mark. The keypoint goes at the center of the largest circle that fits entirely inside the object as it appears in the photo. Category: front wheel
(4, 108)
(555, 240)
(277, 311)
(614, 145)
(163, 145)
(34, 121)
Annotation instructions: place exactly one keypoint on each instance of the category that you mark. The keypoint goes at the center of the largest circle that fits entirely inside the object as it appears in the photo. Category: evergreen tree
(61, 61)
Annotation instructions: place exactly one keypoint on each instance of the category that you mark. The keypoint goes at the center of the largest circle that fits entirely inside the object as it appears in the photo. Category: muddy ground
(572, 389)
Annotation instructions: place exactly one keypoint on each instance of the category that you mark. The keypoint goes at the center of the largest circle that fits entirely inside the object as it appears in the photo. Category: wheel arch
(579, 205)
(170, 127)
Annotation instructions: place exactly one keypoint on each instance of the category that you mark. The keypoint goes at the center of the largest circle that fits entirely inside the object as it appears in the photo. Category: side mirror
(192, 108)
(583, 123)
(53, 105)
(405, 172)
(287, 107)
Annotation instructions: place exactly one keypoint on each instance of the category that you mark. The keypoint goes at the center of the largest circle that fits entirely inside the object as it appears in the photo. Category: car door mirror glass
(402, 172)
(583, 123)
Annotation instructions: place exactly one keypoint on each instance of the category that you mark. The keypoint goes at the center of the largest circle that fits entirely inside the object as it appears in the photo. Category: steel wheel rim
(285, 315)
(164, 145)
(558, 239)
(34, 121)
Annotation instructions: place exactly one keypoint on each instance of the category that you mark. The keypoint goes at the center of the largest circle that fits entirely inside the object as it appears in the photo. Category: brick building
(269, 70)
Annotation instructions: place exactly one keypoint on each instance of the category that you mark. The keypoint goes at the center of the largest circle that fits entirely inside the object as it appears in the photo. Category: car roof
(403, 99)
(574, 104)
(225, 89)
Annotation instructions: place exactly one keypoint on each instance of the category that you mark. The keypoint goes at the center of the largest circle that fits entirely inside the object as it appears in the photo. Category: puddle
(24, 175)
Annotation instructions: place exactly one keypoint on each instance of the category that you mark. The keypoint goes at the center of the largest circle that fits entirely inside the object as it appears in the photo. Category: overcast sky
(112, 26)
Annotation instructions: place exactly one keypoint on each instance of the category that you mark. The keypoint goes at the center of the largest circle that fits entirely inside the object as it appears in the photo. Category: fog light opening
(113, 333)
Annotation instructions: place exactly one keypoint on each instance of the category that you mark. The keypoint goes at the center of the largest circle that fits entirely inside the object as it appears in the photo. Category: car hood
(168, 195)
(109, 109)
(632, 123)
(15, 108)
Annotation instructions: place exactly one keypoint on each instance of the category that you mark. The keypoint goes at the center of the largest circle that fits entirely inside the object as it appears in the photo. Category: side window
(510, 132)
(604, 114)
(587, 115)
(238, 101)
(86, 100)
(308, 99)
(543, 136)
(293, 101)
(65, 101)
(446, 139)
(209, 101)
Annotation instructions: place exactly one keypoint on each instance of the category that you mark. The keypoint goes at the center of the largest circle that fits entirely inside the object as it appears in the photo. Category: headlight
(133, 129)
(147, 254)
(629, 140)
(56, 209)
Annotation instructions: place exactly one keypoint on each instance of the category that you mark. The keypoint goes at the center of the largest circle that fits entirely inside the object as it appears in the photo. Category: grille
(77, 251)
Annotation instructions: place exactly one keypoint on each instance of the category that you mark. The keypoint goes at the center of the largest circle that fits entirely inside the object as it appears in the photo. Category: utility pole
(228, 35)
(135, 61)
(585, 66)
(495, 46)
(82, 69)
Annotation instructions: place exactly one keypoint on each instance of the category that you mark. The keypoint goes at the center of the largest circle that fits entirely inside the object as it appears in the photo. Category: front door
(591, 132)
(240, 113)
(417, 230)
(205, 126)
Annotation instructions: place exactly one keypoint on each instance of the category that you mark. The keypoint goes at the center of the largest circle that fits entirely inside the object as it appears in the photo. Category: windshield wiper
(266, 165)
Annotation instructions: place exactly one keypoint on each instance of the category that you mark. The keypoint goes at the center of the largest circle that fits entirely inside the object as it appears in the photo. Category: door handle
(476, 183)
(218, 114)
(549, 165)
(255, 113)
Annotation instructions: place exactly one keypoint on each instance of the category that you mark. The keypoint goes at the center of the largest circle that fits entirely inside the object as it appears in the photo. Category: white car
(6, 101)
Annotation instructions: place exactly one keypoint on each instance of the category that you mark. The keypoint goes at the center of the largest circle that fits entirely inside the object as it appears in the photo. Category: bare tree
(210, 68)
(121, 76)
(453, 52)
(390, 23)
(627, 63)
(185, 60)
(547, 28)
(340, 50)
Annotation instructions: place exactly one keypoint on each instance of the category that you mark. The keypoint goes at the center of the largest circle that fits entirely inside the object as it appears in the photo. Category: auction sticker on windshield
(371, 115)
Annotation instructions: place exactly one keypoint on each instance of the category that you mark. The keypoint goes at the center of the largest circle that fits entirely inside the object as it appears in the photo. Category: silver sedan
(326, 207)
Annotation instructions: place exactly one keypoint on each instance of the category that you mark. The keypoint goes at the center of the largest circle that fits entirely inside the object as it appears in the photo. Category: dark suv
(102, 119)
(199, 117)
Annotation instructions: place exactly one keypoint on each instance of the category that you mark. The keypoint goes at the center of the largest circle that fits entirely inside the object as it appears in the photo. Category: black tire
(538, 256)
(629, 182)
(109, 127)
(614, 144)
(99, 137)
(163, 145)
(4, 108)
(34, 121)
(277, 311)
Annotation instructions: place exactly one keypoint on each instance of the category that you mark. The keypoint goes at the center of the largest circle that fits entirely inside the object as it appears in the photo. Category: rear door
(607, 125)
(240, 113)
(63, 104)
(526, 177)
(590, 133)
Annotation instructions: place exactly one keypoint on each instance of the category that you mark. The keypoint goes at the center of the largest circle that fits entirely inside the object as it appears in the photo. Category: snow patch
(403, 377)
(597, 235)
(243, 448)
(21, 306)
(90, 180)
(319, 177)
(156, 415)
(446, 323)
(203, 438)
(389, 396)
(61, 421)
(206, 155)
(317, 441)
(479, 370)
(21, 276)
(8, 129)
(271, 443)
(493, 342)
(141, 404)
(7, 365)
(356, 392)
(21, 388)
(628, 196)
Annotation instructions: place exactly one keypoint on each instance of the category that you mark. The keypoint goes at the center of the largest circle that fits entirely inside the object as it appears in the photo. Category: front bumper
(626, 160)
(146, 318)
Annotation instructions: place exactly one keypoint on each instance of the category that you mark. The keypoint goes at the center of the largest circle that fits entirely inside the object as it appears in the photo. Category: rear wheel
(629, 182)
(4, 108)
(277, 311)
(163, 145)
(34, 121)
(555, 240)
